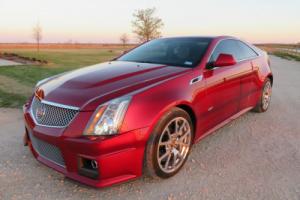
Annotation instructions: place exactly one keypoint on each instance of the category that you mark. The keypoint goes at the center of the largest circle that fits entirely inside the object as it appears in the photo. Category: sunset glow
(101, 21)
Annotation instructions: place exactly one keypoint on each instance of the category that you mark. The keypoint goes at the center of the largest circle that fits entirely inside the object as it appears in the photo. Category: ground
(7, 62)
(257, 156)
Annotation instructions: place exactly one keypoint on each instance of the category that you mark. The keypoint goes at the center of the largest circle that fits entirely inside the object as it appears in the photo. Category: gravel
(257, 156)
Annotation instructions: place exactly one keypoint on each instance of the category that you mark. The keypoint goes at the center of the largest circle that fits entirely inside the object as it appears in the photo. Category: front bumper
(119, 158)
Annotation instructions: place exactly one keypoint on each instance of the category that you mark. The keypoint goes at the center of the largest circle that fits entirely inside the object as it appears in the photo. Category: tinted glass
(226, 47)
(237, 49)
(185, 52)
(246, 52)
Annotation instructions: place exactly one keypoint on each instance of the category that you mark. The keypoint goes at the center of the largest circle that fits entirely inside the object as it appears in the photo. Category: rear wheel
(265, 98)
(170, 144)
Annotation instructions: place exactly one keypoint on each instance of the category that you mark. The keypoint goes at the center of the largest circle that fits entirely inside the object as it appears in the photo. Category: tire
(265, 97)
(167, 147)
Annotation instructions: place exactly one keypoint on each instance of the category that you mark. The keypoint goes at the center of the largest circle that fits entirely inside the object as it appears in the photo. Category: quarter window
(246, 52)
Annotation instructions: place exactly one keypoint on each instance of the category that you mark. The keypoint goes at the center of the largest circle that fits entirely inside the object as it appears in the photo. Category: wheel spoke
(168, 161)
(179, 155)
(182, 144)
(184, 136)
(181, 129)
(177, 127)
(174, 159)
(169, 133)
(163, 156)
(164, 143)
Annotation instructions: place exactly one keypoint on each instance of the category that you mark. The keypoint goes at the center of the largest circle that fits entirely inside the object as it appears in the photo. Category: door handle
(196, 79)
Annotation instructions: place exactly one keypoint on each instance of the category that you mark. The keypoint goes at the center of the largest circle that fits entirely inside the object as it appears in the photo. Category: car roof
(201, 37)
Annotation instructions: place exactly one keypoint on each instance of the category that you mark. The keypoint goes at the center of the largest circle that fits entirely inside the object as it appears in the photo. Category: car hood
(88, 87)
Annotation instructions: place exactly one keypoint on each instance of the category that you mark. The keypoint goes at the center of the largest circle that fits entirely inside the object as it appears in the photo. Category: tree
(37, 35)
(145, 25)
(124, 39)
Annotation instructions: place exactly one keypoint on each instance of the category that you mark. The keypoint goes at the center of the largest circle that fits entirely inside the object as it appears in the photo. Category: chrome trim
(57, 105)
(196, 79)
(60, 105)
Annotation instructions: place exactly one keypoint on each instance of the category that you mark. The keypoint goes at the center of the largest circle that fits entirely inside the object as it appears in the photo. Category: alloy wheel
(266, 98)
(174, 144)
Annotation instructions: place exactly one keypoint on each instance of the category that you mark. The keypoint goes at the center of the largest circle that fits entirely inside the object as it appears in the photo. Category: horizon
(118, 43)
(102, 22)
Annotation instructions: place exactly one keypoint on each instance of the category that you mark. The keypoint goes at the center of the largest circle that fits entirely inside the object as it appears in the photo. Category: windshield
(184, 52)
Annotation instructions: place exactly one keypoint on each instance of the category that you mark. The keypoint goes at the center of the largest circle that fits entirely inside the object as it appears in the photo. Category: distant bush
(286, 55)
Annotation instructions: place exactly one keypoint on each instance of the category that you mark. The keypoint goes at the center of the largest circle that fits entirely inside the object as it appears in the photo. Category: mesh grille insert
(50, 115)
(47, 151)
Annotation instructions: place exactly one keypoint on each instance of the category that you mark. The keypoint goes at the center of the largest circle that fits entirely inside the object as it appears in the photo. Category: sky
(99, 21)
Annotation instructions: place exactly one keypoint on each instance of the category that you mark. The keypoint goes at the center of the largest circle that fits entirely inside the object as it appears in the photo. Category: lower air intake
(47, 151)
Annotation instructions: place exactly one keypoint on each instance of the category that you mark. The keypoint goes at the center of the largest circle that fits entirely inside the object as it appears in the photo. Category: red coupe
(142, 111)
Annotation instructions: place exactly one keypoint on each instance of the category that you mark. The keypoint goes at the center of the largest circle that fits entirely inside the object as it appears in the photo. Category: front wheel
(170, 144)
(265, 98)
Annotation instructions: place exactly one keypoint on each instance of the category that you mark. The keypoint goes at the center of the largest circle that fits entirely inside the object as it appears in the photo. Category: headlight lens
(108, 117)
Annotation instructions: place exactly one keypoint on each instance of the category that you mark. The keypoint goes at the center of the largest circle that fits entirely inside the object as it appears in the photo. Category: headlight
(108, 117)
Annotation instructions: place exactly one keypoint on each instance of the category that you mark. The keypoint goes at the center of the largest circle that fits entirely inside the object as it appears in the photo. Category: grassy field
(17, 82)
(290, 52)
(287, 55)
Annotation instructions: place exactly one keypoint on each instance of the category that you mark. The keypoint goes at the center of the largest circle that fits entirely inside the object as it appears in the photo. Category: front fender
(147, 107)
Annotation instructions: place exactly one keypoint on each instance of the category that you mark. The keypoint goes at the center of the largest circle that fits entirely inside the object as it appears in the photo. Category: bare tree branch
(37, 35)
(145, 25)
(124, 39)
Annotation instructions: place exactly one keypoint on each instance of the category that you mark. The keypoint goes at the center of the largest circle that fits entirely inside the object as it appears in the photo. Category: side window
(226, 47)
(237, 49)
(246, 52)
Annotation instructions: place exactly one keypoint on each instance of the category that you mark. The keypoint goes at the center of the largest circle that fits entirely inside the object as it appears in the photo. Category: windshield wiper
(150, 62)
(141, 61)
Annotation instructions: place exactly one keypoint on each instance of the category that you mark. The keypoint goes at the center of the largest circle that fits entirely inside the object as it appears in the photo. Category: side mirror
(224, 60)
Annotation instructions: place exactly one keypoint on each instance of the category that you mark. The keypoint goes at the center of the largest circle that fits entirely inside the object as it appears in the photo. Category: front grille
(47, 151)
(51, 114)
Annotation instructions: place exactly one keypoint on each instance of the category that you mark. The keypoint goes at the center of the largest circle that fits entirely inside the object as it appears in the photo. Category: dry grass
(13, 86)
(290, 52)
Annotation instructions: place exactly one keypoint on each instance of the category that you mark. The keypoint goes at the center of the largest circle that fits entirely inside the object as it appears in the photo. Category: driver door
(222, 88)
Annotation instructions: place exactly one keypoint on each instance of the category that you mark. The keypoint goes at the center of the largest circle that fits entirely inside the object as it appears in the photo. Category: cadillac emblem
(40, 113)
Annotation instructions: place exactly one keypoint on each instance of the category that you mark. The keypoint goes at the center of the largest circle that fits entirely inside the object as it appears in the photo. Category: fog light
(88, 167)
(94, 164)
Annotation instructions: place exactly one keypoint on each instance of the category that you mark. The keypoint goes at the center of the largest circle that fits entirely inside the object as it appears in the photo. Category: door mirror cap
(224, 60)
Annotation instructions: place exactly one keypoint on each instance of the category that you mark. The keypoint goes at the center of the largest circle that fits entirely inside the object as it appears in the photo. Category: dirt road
(255, 157)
